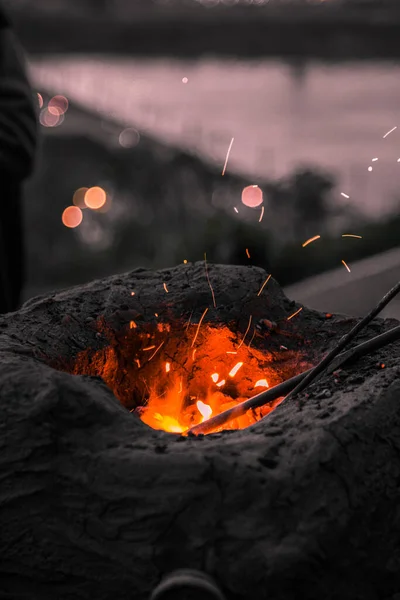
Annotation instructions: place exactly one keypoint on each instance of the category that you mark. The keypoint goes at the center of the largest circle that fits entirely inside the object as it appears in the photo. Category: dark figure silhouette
(18, 135)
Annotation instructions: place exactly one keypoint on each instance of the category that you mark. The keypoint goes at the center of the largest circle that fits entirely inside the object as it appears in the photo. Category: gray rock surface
(95, 504)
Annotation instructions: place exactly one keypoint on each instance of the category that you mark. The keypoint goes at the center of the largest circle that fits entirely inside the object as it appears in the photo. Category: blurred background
(144, 104)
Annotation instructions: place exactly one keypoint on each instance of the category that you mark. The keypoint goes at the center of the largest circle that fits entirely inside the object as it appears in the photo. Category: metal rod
(287, 386)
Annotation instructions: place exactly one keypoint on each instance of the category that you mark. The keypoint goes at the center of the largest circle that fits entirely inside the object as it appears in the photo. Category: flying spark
(344, 195)
(132, 325)
(370, 169)
(374, 159)
(247, 253)
(246, 332)
(351, 235)
(198, 327)
(221, 383)
(261, 215)
(347, 267)
(236, 210)
(294, 314)
(227, 156)
(155, 351)
(316, 237)
(148, 348)
(215, 377)
(261, 383)
(132, 293)
(165, 287)
(208, 279)
(263, 285)
(391, 130)
(235, 369)
(167, 367)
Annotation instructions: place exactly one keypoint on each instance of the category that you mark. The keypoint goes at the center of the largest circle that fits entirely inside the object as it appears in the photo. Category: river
(281, 116)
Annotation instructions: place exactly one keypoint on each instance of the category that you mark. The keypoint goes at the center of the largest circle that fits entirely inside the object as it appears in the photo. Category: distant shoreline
(296, 36)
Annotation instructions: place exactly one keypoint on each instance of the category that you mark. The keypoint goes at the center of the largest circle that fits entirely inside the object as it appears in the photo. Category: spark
(261, 215)
(188, 323)
(155, 351)
(261, 383)
(235, 369)
(148, 348)
(252, 338)
(132, 293)
(167, 367)
(374, 159)
(221, 383)
(180, 387)
(236, 210)
(185, 261)
(194, 353)
(208, 279)
(165, 287)
(137, 361)
(204, 410)
(215, 377)
(391, 130)
(132, 325)
(347, 267)
(344, 195)
(263, 285)
(398, 160)
(156, 314)
(294, 314)
(227, 156)
(316, 237)
(231, 352)
(351, 235)
(246, 332)
(198, 326)
(370, 169)
(247, 253)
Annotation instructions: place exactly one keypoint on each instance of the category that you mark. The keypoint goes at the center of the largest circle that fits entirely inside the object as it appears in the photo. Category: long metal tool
(332, 361)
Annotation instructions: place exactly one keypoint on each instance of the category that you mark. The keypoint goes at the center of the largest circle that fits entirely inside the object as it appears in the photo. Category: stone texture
(95, 504)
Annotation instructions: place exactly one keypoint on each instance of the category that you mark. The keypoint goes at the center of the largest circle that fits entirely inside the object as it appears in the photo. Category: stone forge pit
(95, 503)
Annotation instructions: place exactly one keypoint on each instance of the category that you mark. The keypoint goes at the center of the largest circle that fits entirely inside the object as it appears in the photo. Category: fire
(177, 375)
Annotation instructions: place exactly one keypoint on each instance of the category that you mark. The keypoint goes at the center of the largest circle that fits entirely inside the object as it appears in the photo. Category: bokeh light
(79, 197)
(95, 197)
(50, 119)
(252, 196)
(129, 138)
(72, 216)
(185, 80)
(58, 105)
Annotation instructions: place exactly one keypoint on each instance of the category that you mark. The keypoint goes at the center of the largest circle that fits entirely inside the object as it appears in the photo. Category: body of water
(281, 116)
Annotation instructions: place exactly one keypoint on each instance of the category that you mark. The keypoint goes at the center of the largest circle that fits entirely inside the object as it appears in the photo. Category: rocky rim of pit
(95, 503)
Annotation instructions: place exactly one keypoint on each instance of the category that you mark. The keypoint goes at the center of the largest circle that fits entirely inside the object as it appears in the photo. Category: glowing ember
(235, 369)
(369, 169)
(204, 410)
(347, 267)
(132, 293)
(227, 156)
(294, 314)
(167, 367)
(247, 253)
(316, 237)
(165, 287)
(252, 196)
(132, 325)
(215, 377)
(261, 383)
(221, 383)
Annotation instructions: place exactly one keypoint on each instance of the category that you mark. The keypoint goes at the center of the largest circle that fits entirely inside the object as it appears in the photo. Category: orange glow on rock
(95, 197)
(252, 196)
(72, 217)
